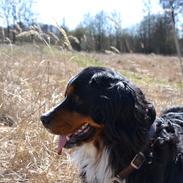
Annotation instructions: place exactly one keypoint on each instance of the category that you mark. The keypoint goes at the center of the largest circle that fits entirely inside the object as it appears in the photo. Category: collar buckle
(138, 160)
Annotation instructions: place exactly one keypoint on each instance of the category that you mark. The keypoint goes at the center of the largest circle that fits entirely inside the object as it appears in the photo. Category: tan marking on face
(69, 90)
(97, 141)
(66, 122)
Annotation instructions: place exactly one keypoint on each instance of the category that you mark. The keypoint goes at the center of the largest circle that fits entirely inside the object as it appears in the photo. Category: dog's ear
(144, 110)
(112, 101)
(119, 101)
(122, 109)
(102, 110)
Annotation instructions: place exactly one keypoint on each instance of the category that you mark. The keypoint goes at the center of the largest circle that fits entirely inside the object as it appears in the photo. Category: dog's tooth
(85, 130)
(55, 139)
(82, 130)
(85, 125)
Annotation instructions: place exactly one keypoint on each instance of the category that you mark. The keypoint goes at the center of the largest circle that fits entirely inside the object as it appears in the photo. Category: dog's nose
(45, 118)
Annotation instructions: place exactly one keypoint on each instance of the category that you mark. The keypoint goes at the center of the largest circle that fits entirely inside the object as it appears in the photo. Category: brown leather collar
(135, 164)
(137, 161)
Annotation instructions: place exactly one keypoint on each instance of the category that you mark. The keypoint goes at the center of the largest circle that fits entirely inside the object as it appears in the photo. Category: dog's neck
(94, 164)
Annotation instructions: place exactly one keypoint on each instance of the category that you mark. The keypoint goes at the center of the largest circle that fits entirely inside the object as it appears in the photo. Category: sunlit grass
(33, 79)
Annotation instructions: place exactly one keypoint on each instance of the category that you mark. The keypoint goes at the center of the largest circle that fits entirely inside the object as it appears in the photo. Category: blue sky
(51, 11)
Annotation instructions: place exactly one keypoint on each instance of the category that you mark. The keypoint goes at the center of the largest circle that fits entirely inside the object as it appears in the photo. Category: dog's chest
(94, 166)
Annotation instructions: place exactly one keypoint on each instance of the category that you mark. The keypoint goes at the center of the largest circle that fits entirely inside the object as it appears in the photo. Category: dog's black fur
(129, 125)
(166, 164)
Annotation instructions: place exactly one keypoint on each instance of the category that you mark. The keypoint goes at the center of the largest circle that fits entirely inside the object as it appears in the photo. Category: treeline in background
(102, 32)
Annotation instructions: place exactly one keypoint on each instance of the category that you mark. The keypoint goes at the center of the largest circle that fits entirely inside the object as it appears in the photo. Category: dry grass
(33, 78)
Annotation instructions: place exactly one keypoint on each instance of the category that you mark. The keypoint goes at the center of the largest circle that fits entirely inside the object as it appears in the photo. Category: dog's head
(100, 103)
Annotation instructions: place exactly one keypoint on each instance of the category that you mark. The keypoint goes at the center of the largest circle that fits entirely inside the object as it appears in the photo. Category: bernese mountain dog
(114, 131)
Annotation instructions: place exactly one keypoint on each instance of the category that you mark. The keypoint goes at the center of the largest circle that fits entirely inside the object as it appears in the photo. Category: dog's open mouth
(84, 133)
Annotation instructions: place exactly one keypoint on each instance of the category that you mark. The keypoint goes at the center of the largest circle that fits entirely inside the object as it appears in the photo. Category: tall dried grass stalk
(66, 39)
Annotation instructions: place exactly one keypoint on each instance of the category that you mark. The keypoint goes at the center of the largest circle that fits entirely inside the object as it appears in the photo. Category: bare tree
(16, 12)
(148, 23)
(88, 31)
(117, 24)
(173, 8)
(100, 23)
(96, 28)
(5, 11)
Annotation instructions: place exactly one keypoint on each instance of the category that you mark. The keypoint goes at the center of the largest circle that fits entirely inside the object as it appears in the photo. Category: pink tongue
(61, 142)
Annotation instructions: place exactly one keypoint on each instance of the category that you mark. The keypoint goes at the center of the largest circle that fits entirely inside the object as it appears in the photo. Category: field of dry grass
(33, 78)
